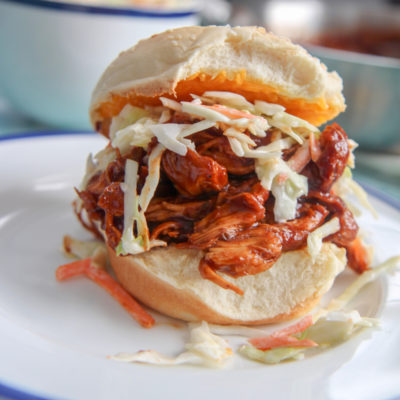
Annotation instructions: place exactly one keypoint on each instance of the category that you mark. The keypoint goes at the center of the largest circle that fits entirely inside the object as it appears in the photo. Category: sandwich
(218, 196)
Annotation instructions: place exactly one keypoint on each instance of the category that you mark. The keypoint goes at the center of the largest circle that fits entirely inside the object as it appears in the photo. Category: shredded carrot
(102, 278)
(284, 338)
(72, 269)
(231, 112)
(298, 327)
(273, 342)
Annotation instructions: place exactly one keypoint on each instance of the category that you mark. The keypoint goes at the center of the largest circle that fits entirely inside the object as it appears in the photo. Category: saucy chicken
(212, 200)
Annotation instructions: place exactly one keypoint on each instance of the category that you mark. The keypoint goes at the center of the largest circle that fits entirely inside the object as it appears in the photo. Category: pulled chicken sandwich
(218, 196)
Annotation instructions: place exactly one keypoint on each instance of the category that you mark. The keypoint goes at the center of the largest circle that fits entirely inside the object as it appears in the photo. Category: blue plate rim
(18, 393)
(36, 134)
(104, 10)
(13, 393)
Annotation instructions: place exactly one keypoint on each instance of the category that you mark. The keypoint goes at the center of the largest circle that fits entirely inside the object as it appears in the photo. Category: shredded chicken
(348, 225)
(237, 213)
(162, 209)
(220, 150)
(334, 155)
(194, 174)
(170, 228)
(331, 157)
(256, 248)
(357, 255)
(211, 199)
(252, 251)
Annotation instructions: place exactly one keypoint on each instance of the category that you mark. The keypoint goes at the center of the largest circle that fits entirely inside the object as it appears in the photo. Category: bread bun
(260, 66)
(244, 60)
(168, 280)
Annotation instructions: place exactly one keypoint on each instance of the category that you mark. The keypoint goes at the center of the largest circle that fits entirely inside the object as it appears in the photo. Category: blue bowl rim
(106, 10)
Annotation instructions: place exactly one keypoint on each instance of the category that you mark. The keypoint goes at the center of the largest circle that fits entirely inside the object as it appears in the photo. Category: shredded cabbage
(154, 357)
(128, 115)
(345, 187)
(97, 164)
(292, 126)
(331, 325)
(236, 146)
(168, 135)
(286, 195)
(314, 240)
(262, 107)
(153, 177)
(212, 348)
(337, 327)
(135, 206)
(137, 134)
(204, 112)
(234, 133)
(172, 104)
(239, 102)
(89, 171)
(272, 150)
(196, 127)
(173, 136)
(229, 99)
(329, 330)
(81, 249)
(259, 153)
(203, 348)
(236, 330)
(358, 284)
(164, 117)
(131, 244)
(273, 356)
(352, 146)
(285, 184)
(258, 126)
(284, 125)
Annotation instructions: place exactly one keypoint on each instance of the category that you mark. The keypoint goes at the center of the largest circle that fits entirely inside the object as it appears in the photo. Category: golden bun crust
(168, 280)
(244, 60)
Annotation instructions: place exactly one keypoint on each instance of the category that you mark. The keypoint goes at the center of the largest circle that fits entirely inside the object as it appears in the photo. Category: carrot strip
(298, 327)
(272, 342)
(72, 269)
(230, 112)
(284, 338)
(104, 280)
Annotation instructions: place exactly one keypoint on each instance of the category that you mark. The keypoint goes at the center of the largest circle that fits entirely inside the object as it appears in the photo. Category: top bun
(244, 60)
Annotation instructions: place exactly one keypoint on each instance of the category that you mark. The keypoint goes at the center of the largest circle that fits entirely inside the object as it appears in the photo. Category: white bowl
(52, 53)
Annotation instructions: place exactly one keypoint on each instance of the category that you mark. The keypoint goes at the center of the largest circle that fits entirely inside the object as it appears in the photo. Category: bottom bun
(168, 280)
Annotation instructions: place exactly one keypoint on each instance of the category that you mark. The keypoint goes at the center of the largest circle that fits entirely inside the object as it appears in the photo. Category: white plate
(54, 337)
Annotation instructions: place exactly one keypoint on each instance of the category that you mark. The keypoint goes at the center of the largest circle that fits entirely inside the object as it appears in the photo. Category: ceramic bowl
(53, 52)
(371, 82)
